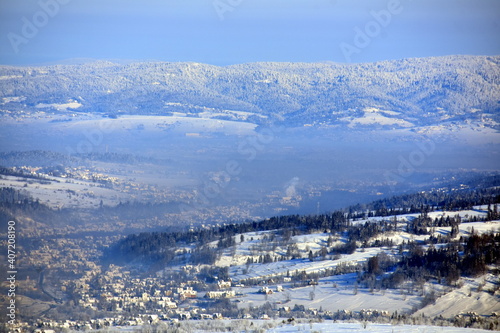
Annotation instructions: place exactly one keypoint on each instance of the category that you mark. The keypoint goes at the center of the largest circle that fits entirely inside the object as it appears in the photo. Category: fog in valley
(269, 170)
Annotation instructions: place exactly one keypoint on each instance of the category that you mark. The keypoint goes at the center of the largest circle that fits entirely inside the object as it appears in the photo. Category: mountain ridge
(417, 91)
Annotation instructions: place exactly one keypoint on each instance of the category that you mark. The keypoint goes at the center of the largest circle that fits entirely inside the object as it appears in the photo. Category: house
(224, 284)
(186, 293)
(220, 294)
(166, 302)
(266, 290)
(183, 315)
(206, 316)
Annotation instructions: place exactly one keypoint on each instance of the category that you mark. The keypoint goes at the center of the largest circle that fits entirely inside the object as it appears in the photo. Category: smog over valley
(250, 166)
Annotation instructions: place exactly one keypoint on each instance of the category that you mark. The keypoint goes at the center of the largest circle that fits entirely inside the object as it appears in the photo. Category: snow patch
(60, 107)
(16, 99)
(379, 119)
(8, 77)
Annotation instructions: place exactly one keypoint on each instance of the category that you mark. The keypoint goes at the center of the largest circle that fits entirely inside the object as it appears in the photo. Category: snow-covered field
(341, 292)
(374, 116)
(368, 327)
(298, 265)
(161, 123)
(63, 193)
(332, 294)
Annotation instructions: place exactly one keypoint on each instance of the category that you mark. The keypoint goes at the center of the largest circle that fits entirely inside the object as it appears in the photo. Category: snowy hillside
(376, 263)
(390, 94)
(341, 292)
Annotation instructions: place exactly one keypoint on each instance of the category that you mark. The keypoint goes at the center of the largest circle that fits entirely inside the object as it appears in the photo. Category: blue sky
(223, 32)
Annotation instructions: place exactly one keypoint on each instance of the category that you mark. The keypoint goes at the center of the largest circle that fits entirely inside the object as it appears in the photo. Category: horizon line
(118, 61)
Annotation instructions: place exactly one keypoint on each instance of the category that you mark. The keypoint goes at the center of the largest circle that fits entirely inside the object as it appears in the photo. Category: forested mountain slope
(403, 92)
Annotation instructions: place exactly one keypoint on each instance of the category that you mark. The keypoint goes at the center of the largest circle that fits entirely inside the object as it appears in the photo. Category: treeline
(130, 210)
(11, 195)
(484, 193)
(50, 161)
(16, 204)
(446, 264)
(35, 158)
(154, 245)
(159, 245)
(13, 199)
(21, 173)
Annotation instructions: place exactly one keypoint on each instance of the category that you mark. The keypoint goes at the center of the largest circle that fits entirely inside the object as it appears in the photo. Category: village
(124, 300)
(84, 291)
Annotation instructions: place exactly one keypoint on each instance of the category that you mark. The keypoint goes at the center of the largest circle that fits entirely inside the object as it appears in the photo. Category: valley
(333, 266)
(265, 196)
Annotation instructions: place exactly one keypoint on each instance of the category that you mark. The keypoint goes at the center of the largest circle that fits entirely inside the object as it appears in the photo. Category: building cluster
(268, 291)
(132, 301)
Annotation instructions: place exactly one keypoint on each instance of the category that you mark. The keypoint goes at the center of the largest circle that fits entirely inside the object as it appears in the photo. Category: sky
(225, 32)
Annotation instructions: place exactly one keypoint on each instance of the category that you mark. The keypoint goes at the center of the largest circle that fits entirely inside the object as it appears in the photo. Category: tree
(454, 231)
(453, 274)
(374, 266)
(323, 252)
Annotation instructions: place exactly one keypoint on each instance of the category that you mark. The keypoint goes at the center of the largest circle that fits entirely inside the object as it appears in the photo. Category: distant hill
(402, 93)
